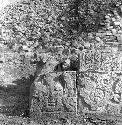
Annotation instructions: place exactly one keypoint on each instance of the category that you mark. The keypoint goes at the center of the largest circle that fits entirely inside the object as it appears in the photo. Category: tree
(89, 15)
(30, 28)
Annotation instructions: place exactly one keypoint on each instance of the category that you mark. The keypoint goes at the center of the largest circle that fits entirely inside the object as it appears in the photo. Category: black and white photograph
(60, 62)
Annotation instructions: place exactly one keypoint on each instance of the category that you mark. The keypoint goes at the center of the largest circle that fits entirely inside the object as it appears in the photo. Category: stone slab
(54, 93)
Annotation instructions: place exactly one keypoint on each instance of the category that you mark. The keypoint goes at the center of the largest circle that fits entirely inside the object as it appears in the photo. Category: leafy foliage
(88, 15)
(26, 30)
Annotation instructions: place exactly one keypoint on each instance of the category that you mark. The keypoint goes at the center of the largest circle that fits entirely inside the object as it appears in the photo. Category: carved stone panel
(100, 60)
(99, 81)
(56, 93)
(95, 88)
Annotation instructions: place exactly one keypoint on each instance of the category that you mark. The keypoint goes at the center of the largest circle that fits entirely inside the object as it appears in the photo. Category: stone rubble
(105, 46)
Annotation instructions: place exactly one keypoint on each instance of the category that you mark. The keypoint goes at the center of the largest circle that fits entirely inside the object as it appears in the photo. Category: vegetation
(28, 29)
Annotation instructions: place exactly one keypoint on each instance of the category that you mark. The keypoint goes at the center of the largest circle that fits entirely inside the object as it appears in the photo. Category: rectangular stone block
(91, 96)
(90, 60)
(69, 104)
(105, 60)
(61, 92)
(100, 93)
(70, 83)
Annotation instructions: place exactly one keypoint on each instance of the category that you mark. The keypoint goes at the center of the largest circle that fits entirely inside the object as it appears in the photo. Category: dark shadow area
(15, 98)
(73, 66)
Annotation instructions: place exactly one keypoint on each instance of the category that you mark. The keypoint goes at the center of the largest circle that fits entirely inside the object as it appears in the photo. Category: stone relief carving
(94, 88)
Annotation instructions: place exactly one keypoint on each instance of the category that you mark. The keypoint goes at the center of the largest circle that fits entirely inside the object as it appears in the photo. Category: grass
(15, 120)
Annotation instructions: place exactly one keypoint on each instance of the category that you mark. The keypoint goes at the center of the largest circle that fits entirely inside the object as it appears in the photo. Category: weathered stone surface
(110, 27)
(113, 31)
(108, 33)
(98, 83)
(98, 87)
(119, 38)
(100, 60)
(51, 62)
(113, 19)
(90, 35)
(117, 23)
(53, 93)
(90, 60)
(87, 45)
(99, 34)
(121, 23)
(120, 32)
(95, 92)
(98, 39)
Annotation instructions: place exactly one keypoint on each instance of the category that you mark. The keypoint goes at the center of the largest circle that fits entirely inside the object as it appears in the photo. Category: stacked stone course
(98, 79)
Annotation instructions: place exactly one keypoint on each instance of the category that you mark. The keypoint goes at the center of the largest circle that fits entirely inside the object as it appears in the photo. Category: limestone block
(113, 19)
(120, 31)
(87, 44)
(119, 38)
(116, 23)
(98, 39)
(98, 85)
(108, 33)
(121, 23)
(99, 34)
(110, 27)
(113, 31)
(91, 96)
(90, 35)
(104, 60)
(49, 66)
(90, 60)
(100, 31)
(53, 93)
(107, 17)
(97, 90)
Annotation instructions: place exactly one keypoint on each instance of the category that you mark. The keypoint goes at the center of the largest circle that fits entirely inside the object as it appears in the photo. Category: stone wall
(99, 75)
(98, 82)
(101, 68)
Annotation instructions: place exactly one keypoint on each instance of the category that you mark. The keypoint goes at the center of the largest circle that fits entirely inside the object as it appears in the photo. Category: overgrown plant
(30, 28)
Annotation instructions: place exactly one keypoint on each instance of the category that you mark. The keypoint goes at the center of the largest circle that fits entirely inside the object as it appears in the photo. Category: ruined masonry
(94, 87)
(56, 94)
